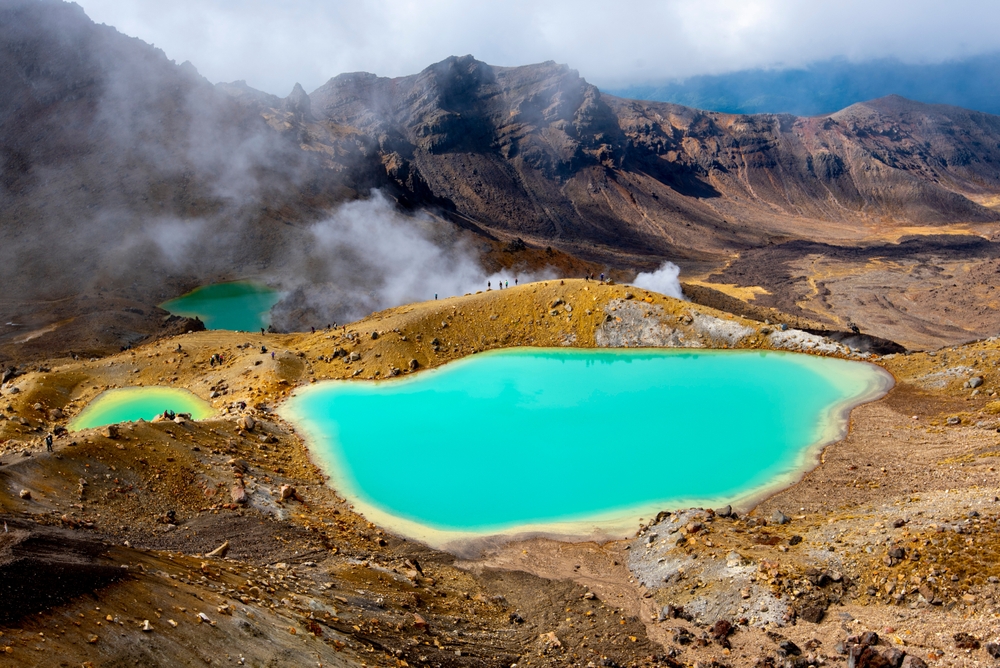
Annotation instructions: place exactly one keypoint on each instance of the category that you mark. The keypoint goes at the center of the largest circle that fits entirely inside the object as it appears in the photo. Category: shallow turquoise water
(129, 404)
(534, 437)
(240, 305)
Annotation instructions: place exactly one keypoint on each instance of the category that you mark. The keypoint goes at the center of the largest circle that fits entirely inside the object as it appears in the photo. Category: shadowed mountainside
(538, 151)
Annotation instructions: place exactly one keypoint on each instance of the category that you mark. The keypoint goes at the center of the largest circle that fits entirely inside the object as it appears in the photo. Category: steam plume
(663, 280)
(366, 256)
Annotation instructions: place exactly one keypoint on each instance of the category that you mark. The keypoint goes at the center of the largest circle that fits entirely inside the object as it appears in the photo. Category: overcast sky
(273, 44)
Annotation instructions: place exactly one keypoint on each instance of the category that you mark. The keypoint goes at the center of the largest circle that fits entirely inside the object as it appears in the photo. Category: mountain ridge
(544, 120)
(129, 178)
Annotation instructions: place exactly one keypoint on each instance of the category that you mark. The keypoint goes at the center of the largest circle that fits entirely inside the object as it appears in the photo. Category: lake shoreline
(612, 524)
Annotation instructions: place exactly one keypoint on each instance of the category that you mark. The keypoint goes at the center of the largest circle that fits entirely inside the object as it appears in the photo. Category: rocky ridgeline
(636, 323)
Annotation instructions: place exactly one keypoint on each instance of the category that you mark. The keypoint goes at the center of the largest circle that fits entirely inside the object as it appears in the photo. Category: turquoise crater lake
(129, 404)
(236, 306)
(573, 441)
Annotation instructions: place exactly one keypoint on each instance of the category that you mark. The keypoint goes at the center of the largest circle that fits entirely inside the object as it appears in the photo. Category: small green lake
(236, 306)
(129, 404)
(574, 441)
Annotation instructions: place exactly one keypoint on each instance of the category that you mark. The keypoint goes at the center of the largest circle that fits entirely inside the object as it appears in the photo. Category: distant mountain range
(828, 86)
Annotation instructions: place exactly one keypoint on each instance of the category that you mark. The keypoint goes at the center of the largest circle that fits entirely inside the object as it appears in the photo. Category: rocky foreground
(218, 542)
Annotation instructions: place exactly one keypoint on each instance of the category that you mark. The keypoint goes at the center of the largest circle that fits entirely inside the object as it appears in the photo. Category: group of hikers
(500, 285)
(505, 284)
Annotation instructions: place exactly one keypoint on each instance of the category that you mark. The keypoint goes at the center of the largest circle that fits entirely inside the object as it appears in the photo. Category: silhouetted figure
(48, 442)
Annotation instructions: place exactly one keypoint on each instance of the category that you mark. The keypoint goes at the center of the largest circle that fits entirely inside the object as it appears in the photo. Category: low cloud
(273, 45)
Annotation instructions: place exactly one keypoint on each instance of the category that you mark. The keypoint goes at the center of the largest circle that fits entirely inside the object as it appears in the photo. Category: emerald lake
(573, 441)
(129, 404)
(236, 306)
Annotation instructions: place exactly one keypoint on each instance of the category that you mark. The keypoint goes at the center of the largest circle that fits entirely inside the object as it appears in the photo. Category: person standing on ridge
(48, 442)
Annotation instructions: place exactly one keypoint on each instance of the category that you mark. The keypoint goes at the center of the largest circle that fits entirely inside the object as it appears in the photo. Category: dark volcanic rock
(42, 566)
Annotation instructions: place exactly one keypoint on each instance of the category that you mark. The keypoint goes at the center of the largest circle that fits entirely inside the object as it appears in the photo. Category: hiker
(515, 280)
(313, 330)
(487, 285)
(435, 296)
(602, 277)
(262, 331)
(48, 442)
(506, 284)
(272, 354)
(263, 349)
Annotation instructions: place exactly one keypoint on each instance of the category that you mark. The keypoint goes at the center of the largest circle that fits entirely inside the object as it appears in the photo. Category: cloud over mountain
(273, 45)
